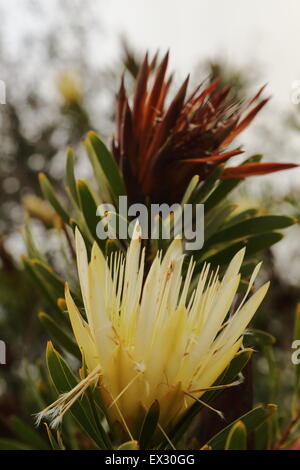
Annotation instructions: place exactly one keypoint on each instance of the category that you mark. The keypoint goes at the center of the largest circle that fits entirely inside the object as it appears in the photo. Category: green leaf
(215, 219)
(253, 159)
(70, 180)
(83, 228)
(49, 194)
(60, 336)
(260, 337)
(64, 380)
(51, 284)
(190, 190)
(237, 437)
(54, 282)
(149, 425)
(240, 216)
(103, 184)
(251, 420)
(108, 165)
(223, 253)
(247, 269)
(237, 364)
(235, 367)
(254, 226)
(130, 445)
(220, 193)
(207, 186)
(28, 435)
(265, 434)
(31, 247)
(89, 210)
(33, 275)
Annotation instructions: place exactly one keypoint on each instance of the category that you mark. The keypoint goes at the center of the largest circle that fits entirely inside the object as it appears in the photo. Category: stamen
(220, 387)
(124, 422)
(124, 389)
(56, 410)
(219, 413)
(166, 436)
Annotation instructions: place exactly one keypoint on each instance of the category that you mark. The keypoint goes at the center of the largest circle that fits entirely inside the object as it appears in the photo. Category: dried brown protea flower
(159, 147)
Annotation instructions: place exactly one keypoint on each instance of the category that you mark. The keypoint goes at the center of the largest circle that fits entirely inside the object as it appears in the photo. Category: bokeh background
(61, 61)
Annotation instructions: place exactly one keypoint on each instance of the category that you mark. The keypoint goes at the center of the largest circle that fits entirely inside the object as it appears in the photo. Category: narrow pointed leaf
(108, 165)
(130, 445)
(89, 209)
(49, 194)
(70, 177)
(64, 380)
(251, 420)
(237, 437)
(253, 226)
(149, 425)
(58, 335)
(219, 255)
(208, 185)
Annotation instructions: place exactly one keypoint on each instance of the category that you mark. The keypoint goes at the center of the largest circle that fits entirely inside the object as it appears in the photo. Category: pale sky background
(264, 32)
(259, 32)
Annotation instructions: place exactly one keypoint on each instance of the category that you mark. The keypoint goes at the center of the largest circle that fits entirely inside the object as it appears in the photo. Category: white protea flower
(152, 339)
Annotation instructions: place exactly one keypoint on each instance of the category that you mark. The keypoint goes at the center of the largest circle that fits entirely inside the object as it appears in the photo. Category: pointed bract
(161, 143)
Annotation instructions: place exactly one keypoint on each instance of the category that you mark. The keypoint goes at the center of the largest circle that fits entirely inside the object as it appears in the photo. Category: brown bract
(161, 143)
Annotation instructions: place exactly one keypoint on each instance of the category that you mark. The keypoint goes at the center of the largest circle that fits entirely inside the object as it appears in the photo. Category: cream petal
(217, 314)
(81, 332)
(98, 307)
(241, 319)
(174, 252)
(234, 266)
(131, 275)
(152, 338)
(251, 282)
(82, 265)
